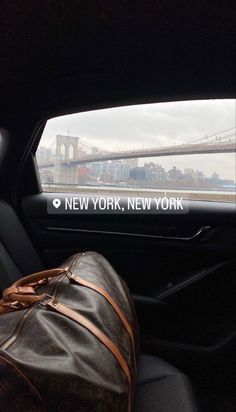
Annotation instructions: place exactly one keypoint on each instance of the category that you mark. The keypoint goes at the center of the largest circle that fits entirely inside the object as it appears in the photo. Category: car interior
(62, 57)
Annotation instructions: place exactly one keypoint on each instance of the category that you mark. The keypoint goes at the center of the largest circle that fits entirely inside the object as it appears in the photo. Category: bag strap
(114, 305)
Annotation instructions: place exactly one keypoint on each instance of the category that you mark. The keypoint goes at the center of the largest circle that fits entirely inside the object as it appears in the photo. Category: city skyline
(130, 172)
(152, 125)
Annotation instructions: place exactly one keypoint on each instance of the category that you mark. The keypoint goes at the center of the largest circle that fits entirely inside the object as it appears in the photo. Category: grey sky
(154, 125)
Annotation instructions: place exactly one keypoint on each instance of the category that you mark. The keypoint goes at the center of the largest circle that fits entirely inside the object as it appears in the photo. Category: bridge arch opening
(71, 152)
(63, 151)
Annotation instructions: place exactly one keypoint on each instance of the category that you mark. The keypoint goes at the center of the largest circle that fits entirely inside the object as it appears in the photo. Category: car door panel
(170, 262)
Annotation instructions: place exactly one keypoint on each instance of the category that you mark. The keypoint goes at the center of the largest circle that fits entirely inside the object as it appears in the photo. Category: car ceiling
(59, 56)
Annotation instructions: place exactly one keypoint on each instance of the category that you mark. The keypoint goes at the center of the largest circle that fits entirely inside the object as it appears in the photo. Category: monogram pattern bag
(68, 340)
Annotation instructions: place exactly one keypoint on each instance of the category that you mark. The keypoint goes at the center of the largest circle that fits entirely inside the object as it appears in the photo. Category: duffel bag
(68, 340)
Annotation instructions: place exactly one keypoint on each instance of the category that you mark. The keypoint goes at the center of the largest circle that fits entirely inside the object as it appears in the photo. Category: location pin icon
(56, 203)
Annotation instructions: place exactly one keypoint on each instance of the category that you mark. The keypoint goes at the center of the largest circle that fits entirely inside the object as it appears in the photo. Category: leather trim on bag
(77, 317)
(114, 305)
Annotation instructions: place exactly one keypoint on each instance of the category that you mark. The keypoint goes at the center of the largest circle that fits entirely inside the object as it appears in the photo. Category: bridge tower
(66, 150)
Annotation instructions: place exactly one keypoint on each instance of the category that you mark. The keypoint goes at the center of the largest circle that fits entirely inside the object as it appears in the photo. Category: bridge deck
(227, 147)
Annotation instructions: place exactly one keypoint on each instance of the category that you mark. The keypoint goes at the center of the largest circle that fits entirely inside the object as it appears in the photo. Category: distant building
(119, 171)
(132, 163)
(96, 169)
(110, 171)
(138, 173)
(43, 155)
(174, 173)
(46, 176)
(154, 171)
(83, 172)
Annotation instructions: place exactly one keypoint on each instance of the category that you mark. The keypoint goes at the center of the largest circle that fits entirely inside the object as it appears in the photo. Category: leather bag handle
(23, 290)
(39, 277)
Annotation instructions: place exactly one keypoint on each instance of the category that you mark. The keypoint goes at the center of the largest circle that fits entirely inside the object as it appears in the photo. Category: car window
(179, 147)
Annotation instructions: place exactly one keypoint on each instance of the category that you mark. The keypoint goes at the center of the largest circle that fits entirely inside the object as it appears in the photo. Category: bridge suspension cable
(216, 137)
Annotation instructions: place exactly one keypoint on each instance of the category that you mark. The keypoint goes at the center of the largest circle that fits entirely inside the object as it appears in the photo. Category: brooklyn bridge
(71, 151)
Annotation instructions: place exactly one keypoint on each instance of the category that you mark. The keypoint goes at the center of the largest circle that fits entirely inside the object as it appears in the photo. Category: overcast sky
(154, 125)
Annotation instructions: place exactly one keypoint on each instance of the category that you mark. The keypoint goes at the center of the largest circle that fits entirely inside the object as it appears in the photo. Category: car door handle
(196, 236)
(199, 234)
